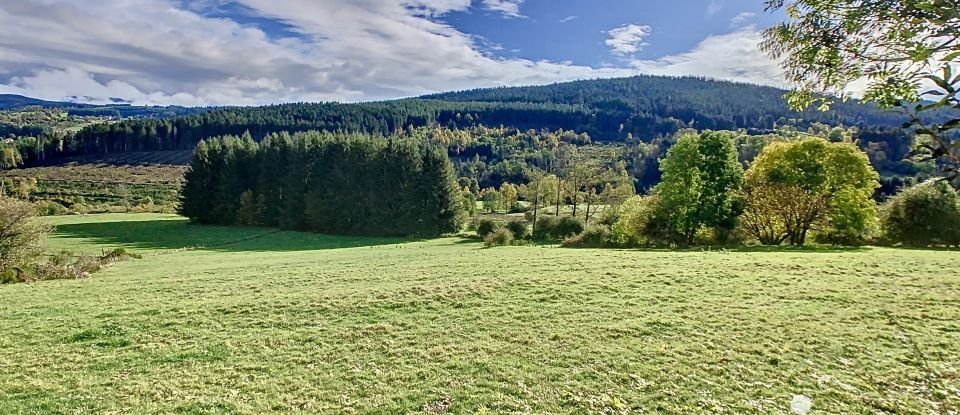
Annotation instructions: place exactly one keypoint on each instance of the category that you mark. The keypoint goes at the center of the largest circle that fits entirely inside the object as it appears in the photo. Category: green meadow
(254, 321)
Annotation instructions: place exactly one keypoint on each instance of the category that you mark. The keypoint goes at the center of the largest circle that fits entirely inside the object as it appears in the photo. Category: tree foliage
(794, 186)
(333, 183)
(899, 46)
(21, 235)
(923, 215)
(701, 178)
(646, 108)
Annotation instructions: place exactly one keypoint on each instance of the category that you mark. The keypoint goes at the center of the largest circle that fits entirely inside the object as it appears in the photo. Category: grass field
(103, 187)
(257, 321)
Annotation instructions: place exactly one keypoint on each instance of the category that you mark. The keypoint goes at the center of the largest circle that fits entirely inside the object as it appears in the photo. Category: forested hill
(646, 107)
(9, 102)
(696, 102)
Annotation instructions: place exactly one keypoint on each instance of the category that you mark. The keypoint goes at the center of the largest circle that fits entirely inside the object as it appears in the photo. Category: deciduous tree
(701, 178)
(793, 186)
(907, 50)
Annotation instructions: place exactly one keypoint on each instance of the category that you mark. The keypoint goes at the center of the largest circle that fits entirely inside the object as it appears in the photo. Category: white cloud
(157, 52)
(627, 39)
(733, 56)
(509, 8)
(568, 19)
(741, 19)
(714, 7)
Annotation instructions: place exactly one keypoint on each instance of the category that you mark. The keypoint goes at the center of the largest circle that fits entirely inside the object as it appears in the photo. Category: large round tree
(795, 187)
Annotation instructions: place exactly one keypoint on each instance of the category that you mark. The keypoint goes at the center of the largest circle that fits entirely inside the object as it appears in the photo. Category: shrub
(568, 226)
(9, 276)
(545, 227)
(64, 265)
(923, 215)
(592, 237)
(21, 235)
(51, 208)
(500, 236)
(485, 226)
(118, 254)
(640, 222)
(518, 228)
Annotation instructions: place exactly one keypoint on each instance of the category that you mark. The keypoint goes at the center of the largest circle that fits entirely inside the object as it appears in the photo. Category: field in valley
(102, 186)
(244, 320)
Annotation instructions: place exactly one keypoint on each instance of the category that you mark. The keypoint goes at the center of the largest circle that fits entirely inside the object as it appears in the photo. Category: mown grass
(273, 324)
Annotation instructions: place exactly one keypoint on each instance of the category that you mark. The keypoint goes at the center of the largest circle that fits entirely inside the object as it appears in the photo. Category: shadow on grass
(809, 249)
(468, 240)
(815, 249)
(180, 234)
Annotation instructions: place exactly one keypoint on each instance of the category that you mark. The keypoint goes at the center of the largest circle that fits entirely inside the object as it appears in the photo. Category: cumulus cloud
(509, 8)
(741, 19)
(628, 39)
(163, 52)
(733, 56)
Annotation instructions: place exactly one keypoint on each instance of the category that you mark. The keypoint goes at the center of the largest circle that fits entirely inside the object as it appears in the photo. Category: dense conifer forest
(330, 183)
(609, 110)
(640, 114)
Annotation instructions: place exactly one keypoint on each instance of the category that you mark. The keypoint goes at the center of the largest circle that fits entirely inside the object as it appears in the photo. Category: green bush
(519, 229)
(568, 226)
(51, 208)
(118, 254)
(545, 227)
(500, 236)
(592, 237)
(9, 276)
(641, 222)
(923, 215)
(486, 226)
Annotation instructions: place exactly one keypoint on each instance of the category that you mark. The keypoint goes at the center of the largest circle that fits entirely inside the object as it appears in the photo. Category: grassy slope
(103, 185)
(282, 323)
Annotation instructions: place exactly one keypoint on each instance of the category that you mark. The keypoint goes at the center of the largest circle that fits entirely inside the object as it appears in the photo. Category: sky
(252, 52)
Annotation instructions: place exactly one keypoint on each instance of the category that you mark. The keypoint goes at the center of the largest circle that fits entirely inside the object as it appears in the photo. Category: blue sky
(575, 30)
(245, 52)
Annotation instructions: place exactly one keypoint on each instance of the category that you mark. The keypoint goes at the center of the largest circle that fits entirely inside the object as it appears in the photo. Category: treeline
(609, 110)
(353, 184)
(794, 190)
(9, 102)
(383, 118)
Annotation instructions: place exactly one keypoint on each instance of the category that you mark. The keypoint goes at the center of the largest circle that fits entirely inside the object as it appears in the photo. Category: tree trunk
(536, 203)
(586, 214)
(558, 195)
(576, 192)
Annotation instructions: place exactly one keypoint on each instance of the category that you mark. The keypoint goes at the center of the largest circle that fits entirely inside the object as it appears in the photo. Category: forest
(641, 113)
(331, 183)
(609, 110)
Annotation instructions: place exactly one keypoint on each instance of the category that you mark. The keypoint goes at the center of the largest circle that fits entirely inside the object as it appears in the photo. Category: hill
(696, 102)
(648, 109)
(10, 102)
(609, 110)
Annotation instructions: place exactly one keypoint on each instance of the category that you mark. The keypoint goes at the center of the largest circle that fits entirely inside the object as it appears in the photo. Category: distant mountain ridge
(609, 110)
(11, 102)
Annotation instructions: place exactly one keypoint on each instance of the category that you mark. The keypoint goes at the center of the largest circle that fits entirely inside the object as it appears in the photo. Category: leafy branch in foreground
(907, 51)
